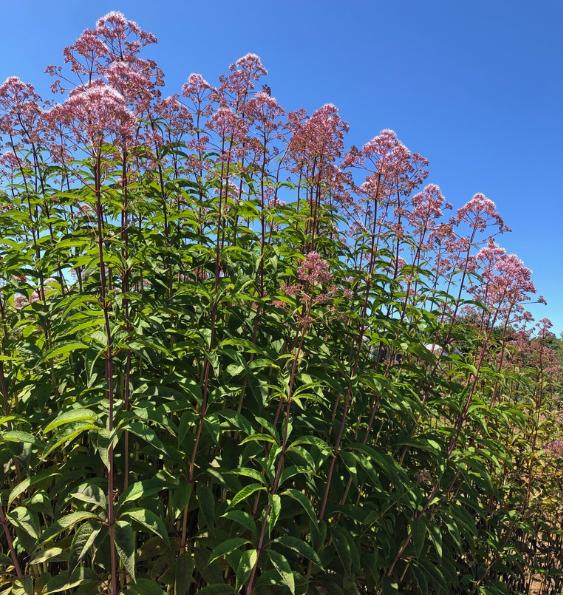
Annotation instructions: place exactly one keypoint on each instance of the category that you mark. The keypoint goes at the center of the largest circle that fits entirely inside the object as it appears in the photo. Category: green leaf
(83, 540)
(105, 439)
(64, 350)
(304, 503)
(299, 546)
(418, 535)
(61, 583)
(313, 441)
(180, 498)
(246, 492)
(22, 587)
(244, 519)
(146, 586)
(24, 519)
(183, 573)
(216, 589)
(275, 509)
(149, 520)
(226, 547)
(70, 417)
(19, 489)
(45, 555)
(125, 546)
(246, 564)
(28, 482)
(147, 434)
(141, 489)
(435, 536)
(237, 420)
(66, 522)
(258, 438)
(68, 437)
(206, 501)
(343, 548)
(283, 568)
(248, 472)
(18, 436)
(91, 493)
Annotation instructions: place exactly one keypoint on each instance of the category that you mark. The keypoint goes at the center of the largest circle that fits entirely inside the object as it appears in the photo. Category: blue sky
(474, 85)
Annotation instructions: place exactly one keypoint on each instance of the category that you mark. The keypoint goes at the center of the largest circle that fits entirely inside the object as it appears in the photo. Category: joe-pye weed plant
(238, 356)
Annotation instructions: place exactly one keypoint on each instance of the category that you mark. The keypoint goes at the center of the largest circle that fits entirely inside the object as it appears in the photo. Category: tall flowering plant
(240, 356)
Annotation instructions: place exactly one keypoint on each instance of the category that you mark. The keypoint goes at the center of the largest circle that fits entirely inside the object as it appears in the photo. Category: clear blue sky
(474, 85)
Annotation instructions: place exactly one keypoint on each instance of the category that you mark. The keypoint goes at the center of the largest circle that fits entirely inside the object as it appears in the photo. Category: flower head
(555, 447)
(122, 34)
(95, 113)
(227, 124)
(319, 138)
(20, 109)
(314, 269)
(390, 161)
(196, 88)
(480, 212)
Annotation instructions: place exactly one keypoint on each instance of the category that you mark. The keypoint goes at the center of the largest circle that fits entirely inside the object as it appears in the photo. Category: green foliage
(185, 411)
(399, 510)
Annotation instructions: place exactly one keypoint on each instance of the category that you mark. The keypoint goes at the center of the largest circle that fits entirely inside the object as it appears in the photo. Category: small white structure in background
(437, 350)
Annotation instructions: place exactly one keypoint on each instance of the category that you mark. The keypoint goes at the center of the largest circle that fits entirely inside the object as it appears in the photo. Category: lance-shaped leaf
(67, 522)
(283, 568)
(70, 417)
(246, 563)
(141, 489)
(226, 547)
(83, 540)
(125, 546)
(245, 492)
(18, 436)
(304, 502)
(149, 520)
(300, 547)
(64, 350)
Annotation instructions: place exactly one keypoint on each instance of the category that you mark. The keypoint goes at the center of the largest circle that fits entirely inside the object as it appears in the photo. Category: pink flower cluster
(427, 206)
(20, 111)
(228, 124)
(390, 162)
(235, 87)
(507, 282)
(555, 447)
(318, 139)
(94, 114)
(314, 269)
(481, 212)
(114, 98)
